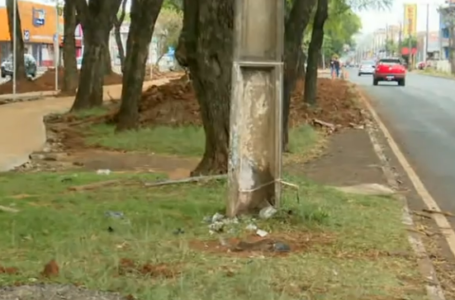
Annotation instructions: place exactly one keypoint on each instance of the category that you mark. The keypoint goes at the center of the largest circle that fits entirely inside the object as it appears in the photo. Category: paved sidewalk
(22, 130)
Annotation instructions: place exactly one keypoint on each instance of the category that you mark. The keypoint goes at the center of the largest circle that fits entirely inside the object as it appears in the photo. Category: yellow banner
(410, 20)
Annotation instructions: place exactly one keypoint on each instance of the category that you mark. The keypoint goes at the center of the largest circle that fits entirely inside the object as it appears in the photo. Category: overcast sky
(372, 20)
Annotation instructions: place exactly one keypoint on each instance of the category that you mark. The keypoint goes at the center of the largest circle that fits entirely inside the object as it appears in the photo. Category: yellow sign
(410, 20)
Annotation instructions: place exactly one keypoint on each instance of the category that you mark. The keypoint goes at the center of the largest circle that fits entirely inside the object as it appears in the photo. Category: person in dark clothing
(335, 66)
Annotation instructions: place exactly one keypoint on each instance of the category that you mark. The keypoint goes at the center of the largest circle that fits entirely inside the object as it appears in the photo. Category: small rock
(103, 172)
(37, 156)
(114, 214)
(281, 247)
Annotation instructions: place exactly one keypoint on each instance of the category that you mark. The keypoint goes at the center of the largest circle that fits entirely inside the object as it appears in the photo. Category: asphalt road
(421, 117)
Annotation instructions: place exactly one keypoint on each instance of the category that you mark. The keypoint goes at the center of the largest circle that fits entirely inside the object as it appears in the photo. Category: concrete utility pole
(256, 106)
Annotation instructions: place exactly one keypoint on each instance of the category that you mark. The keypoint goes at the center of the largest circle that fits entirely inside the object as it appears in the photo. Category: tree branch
(82, 11)
(119, 20)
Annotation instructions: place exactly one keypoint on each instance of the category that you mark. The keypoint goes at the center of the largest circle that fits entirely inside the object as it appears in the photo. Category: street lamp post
(410, 62)
(14, 47)
(56, 45)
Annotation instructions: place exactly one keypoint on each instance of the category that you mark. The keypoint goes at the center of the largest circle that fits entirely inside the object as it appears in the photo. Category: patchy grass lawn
(342, 246)
(187, 141)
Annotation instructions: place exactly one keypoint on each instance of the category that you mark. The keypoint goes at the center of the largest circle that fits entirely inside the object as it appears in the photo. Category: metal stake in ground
(255, 133)
(56, 46)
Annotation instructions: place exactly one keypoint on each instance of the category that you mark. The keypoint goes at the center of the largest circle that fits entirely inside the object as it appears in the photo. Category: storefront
(78, 35)
(41, 25)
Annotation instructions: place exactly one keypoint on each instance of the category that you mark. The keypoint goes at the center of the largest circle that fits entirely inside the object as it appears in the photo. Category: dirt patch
(8, 270)
(129, 266)
(175, 104)
(46, 82)
(96, 159)
(51, 269)
(277, 244)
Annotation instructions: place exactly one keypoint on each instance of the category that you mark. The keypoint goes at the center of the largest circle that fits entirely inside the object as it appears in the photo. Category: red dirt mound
(46, 82)
(175, 104)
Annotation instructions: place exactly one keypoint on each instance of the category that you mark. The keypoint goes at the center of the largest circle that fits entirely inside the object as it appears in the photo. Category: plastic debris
(267, 212)
(251, 227)
(103, 172)
(261, 233)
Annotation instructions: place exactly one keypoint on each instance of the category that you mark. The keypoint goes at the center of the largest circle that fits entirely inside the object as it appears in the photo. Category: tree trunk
(121, 51)
(314, 50)
(107, 57)
(19, 55)
(70, 75)
(143, 17)
(208, 36)
(118, 36)
(96, 18)
(298, 19)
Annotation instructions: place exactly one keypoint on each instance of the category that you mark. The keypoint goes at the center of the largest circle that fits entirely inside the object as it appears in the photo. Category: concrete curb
(31, 95)
(433, 75)
(432, 286)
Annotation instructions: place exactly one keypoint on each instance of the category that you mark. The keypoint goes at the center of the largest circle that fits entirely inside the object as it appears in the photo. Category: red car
(389, 69)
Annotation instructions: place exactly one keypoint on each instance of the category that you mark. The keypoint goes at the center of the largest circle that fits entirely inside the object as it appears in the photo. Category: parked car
(366, 67)
(30, 66)
(390, 69)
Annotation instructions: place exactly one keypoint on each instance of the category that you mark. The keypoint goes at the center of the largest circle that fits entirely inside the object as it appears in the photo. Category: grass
(185, 141)
(73, 229)
(433, 72)
(341, 245)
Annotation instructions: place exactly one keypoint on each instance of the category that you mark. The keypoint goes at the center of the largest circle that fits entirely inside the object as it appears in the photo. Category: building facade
(41, 25)
(155, 48)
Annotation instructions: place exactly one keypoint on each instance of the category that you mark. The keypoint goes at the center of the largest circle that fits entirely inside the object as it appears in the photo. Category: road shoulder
(437, 262)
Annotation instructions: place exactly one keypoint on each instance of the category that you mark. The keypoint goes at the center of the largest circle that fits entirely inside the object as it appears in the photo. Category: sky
(372, 20)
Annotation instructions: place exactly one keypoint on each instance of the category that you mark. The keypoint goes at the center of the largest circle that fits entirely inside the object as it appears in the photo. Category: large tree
(143, 17)
(297, 19)
(97, 17)
(206, 47)
(317, 37)
(19, 55)
(70, 75)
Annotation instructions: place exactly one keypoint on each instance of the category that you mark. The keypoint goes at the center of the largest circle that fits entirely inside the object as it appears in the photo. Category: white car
(367, 67)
